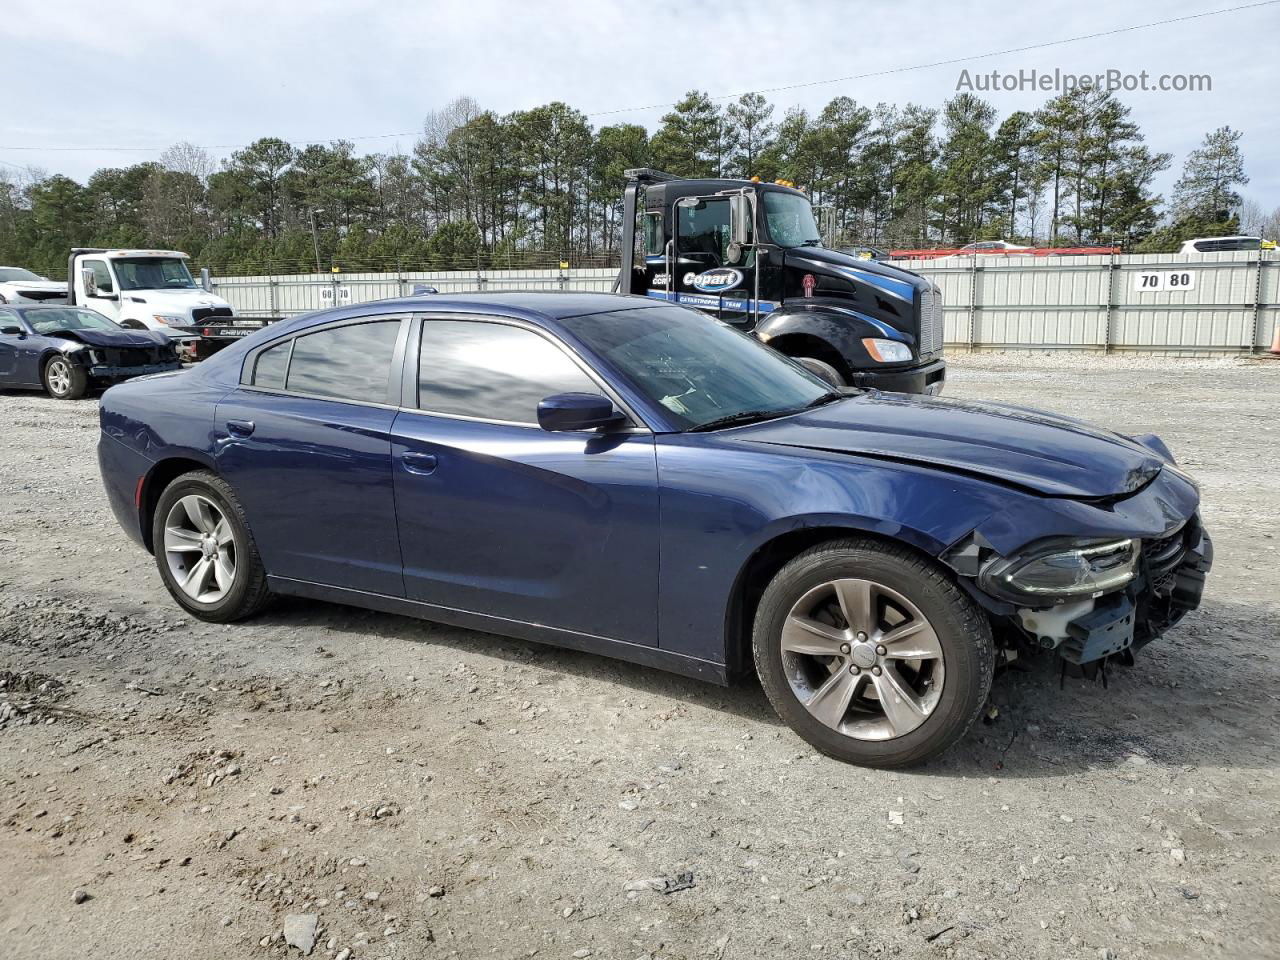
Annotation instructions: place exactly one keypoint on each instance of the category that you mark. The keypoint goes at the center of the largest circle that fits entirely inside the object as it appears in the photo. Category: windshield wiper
(736, 419)
(811, 243)
(824, 399)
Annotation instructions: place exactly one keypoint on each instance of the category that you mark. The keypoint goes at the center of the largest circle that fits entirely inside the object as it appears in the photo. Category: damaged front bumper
(1169, 583)
(101, 371)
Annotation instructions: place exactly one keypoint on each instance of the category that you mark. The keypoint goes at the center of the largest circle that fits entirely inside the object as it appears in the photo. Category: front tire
(872, 653)
(64, 380)
(822, 369)
(204, 551)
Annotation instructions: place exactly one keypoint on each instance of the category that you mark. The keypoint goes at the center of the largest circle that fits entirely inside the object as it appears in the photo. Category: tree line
(534, 187)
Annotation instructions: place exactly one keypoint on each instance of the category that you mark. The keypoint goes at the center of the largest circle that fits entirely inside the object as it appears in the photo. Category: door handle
(240, 428)
(423, 464)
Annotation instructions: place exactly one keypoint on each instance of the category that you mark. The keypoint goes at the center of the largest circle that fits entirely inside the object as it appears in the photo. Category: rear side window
(492, 371)
(270, 367)
(350, 363)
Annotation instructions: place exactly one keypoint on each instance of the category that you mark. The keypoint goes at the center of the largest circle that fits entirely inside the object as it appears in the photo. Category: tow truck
(154, 290)
(750, 254)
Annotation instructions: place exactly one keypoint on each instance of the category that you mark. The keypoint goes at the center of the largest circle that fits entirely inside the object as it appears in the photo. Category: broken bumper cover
(1170, 584)
(102, 371)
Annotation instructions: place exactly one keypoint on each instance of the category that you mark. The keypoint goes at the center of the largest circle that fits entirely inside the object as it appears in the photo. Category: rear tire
(64, 380)
(204, 551)
(872, 653)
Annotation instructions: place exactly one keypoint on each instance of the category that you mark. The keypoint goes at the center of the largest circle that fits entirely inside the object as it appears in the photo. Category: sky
(221, 74)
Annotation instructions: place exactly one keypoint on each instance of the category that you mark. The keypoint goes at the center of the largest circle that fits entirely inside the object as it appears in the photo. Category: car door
(10, 347)
(500, 517)
(306, 442)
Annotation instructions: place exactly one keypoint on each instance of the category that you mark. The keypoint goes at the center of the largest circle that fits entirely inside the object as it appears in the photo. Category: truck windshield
(700, 370)
(152, 273)
(790, 220)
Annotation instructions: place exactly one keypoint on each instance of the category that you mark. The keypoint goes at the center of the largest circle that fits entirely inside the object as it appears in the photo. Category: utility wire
(733, 96)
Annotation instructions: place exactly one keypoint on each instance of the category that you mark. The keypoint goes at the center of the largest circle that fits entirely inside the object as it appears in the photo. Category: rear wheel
(871, 653)
(204, 551)
(63, 380)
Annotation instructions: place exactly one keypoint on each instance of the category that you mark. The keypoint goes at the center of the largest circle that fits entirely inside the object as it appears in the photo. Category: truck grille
(931, 324)
(202, 313)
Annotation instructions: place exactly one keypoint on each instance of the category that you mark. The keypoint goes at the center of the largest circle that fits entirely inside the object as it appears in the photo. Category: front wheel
(63, 380)
(822, 369)
(872, 653)
(206, 556)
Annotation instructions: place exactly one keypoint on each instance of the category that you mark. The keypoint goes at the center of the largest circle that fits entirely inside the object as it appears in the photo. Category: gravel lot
(172, 788)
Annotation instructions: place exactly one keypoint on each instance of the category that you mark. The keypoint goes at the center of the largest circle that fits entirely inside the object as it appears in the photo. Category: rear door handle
(420, 463)
(240, 428)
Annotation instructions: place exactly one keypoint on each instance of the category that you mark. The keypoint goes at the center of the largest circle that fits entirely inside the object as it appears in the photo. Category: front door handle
(240, 428)
(423, 464)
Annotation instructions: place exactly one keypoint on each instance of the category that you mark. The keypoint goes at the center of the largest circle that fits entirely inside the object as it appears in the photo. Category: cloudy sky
(220, 74)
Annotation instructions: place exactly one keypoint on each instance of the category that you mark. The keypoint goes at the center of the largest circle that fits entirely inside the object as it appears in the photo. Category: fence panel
(1197, 305)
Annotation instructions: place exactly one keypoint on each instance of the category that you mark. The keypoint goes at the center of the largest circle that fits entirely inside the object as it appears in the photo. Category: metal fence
(1202, 304)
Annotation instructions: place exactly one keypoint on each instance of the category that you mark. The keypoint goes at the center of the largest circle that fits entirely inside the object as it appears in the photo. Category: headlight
(168, 320)
(1063, 570)
(887, 351)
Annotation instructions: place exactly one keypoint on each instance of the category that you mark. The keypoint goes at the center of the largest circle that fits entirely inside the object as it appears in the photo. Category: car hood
(113, 338)
(21, 288)
(1049, 454)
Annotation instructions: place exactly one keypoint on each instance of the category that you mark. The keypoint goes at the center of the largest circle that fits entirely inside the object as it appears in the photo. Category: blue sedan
(641, 481)
(66, 350)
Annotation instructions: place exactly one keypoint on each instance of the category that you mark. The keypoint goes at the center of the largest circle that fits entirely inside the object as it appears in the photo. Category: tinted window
(353, 363)
(704, 229)
(492, 371)
(269, 369)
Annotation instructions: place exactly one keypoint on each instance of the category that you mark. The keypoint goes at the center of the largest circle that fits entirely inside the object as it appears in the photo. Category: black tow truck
(750, 254)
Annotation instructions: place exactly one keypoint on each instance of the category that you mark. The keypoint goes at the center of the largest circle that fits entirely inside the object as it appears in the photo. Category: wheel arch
(779, 550)
(157, 479)
(810, 345)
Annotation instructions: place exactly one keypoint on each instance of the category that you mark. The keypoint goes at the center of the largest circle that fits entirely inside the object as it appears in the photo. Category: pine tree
(1206, 190)
(754, 131)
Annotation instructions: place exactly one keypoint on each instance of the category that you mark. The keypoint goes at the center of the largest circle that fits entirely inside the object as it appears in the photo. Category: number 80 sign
(1164, 281)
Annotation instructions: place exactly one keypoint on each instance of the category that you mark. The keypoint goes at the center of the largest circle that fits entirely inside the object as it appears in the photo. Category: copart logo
(715, 281)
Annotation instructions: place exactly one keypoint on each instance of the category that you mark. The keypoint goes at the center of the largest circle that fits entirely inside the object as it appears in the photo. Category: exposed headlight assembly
(1058, 571)
(887, 351)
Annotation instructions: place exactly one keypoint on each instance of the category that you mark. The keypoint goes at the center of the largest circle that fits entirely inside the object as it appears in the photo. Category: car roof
(528, 305)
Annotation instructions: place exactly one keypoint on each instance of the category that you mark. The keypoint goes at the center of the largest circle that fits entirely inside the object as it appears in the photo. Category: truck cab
(750, 254)
(142, 289)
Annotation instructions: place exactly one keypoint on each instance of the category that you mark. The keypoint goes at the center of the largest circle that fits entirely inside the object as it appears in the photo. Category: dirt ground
(171, 788)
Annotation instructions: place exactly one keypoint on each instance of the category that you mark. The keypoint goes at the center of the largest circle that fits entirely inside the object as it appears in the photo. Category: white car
(1225, 244)
(22, 286)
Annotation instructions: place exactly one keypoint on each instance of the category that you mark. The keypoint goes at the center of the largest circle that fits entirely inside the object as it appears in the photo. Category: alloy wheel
(862, 659)
(58, 375)
(200, 548)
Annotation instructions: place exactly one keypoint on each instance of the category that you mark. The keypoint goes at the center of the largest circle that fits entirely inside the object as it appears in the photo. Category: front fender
(841, 329)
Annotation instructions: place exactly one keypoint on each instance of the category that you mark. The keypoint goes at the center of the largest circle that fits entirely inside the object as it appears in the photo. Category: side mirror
(740, 219)
(576, 411)
(11, 331)
(89, 279)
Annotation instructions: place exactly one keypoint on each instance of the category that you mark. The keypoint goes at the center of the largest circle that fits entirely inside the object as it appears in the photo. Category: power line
(888, 71)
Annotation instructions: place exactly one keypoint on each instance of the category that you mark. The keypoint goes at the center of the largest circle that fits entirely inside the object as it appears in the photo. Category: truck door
(712, 273)
(106, 298)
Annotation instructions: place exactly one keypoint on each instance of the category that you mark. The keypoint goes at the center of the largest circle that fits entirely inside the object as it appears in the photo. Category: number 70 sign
(1154, 281)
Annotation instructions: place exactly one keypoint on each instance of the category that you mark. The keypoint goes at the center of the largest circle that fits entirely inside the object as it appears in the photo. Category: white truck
(143, 289)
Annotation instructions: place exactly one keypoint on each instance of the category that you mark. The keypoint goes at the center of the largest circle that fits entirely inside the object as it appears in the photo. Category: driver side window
(101, 275)
(704, 230)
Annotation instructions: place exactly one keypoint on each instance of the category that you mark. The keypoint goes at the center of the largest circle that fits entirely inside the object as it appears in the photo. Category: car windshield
(790, 220)
(55, 319)
(698, 369)
(153, 273)
(8, 274)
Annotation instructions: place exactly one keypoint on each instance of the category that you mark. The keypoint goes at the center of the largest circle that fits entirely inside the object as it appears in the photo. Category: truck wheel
(206, 555)
(872, 653)
(822, 369)
(63, 380)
